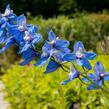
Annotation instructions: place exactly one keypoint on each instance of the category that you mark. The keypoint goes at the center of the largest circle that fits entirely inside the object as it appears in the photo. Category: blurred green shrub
(89, 28)
(7, 59)
(50, 8)
(28, 88)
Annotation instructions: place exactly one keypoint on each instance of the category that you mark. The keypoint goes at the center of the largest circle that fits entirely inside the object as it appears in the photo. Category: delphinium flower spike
(14, 30)
(17, 33)
(80, 56)
(25, 42)
(9, 15)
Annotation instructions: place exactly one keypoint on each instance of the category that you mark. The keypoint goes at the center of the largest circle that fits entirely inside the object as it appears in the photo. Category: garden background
(27, 87)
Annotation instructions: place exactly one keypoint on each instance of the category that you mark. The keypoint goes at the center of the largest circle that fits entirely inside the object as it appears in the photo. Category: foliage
(50, 8)
(7, 59)
(28, 88)
(89, 28)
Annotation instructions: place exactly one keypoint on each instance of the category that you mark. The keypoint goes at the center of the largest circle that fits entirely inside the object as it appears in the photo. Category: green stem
(82, 81)
(64, 68)
(104, 84)
(84, 69)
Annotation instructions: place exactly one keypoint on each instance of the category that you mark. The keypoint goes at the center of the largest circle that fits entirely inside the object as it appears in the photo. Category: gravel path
(3, 103)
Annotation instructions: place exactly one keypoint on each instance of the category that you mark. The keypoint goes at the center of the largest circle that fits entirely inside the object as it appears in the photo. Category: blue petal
(52, 66)
(85, 79)
(37, 39)
(98, 68)
(60, 44)
(100, 83)
(28, 56)
(47, 47)
(79, 62)
(86, 64)
(91, 76)
(66, 50)
(4, 24)
(73, 74)
(8, 10)
(21, 20)
(92, 87)
(19, 39)
(18, 35)
(12, 18)
(58, 56)
(32, 29)
(13, 29)
(106, 77)
(2, 36)
(24, 48)
(42, 61)
(51, 36)
(9, 43)
(2, 40)
(65, 82)
(90, 55)
(69, 57)
(78, 45)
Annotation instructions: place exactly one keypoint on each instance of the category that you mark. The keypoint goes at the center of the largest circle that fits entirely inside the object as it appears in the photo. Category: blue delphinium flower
(3, 32)
(72, 75)
(18, 30)
(9, 16)
(54, 48)
(58, 44)
(30, 41)
(47, 54)
(98, 77)
(80, 56)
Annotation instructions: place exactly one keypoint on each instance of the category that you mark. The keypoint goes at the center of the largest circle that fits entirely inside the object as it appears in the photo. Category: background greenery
(89, 28)
(28, 88)
(50, 8)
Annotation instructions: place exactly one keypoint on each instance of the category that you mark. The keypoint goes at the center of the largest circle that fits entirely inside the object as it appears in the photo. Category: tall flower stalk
(15, 31)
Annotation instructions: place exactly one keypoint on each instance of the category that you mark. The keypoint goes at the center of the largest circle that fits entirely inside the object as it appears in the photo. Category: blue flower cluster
(15, 31)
